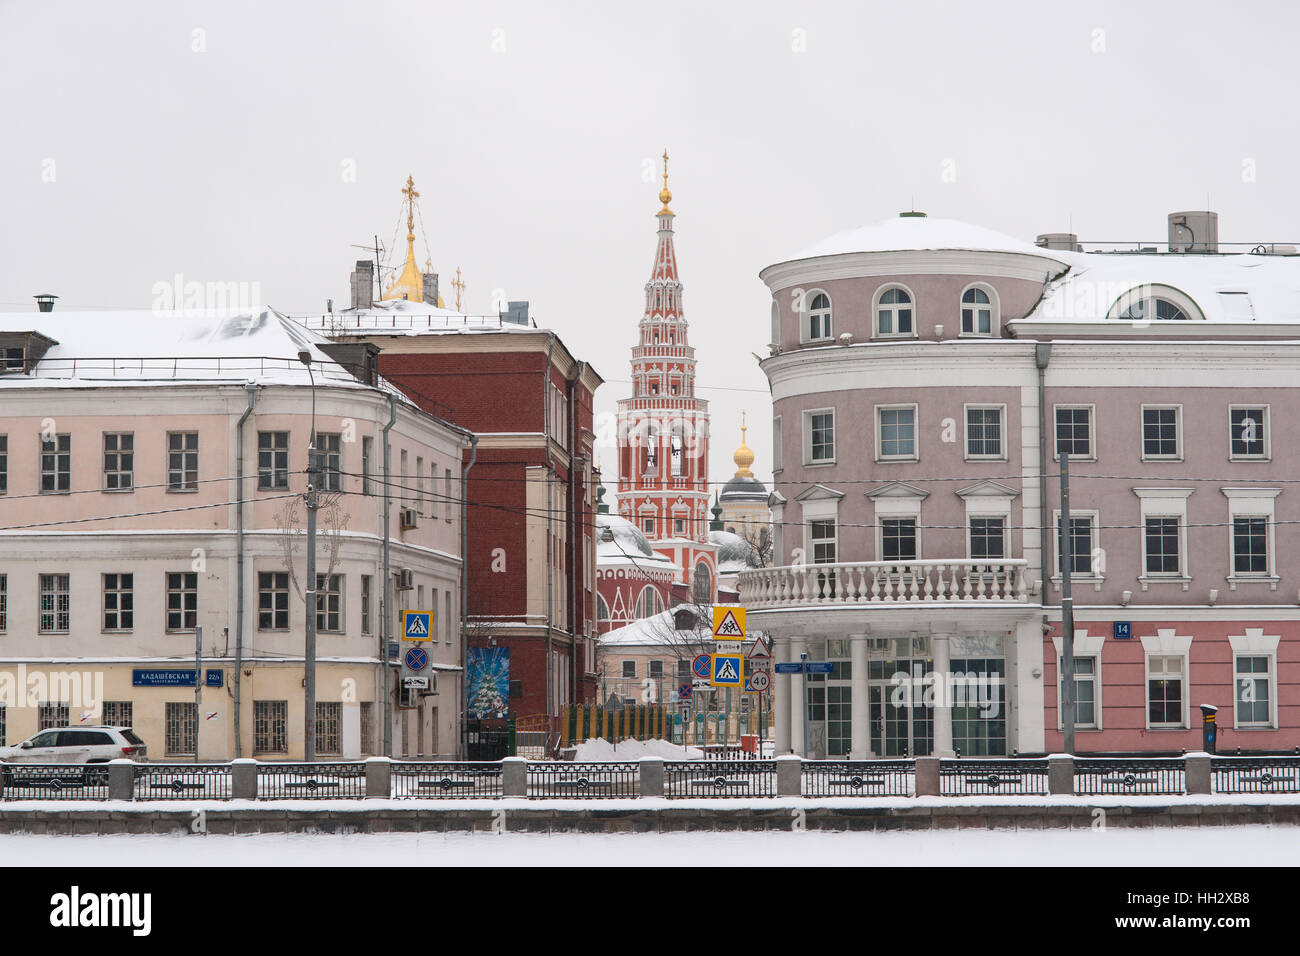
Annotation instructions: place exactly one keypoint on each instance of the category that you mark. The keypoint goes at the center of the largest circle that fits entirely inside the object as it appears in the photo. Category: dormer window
(1155, 303)
(13, 359)
(1154, 308)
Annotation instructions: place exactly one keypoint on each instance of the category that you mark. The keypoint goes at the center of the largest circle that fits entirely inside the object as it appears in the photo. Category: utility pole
(1067, 609)
(198, 686)
(309, 657)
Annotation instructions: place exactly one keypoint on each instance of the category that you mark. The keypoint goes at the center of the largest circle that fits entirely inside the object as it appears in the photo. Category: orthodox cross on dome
(665, 196)
(411, 196)
(459, 286)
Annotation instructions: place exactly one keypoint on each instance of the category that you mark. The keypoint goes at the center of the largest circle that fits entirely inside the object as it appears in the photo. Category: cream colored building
(152, 470)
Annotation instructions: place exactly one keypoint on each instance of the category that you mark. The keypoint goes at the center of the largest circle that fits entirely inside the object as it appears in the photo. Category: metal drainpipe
(385, 631)
(574, 532)
(1042, 356)
(550, 472)
(251, 390)
(464, 596)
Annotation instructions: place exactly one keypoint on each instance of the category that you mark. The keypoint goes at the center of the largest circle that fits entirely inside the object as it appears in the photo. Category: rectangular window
(181, 724)
(329, 451)
(182, 461)
(987, 538)
(119, 461)
(182, 600)
(56, 464)
(446, 494)
(329, 728)
(55, 604)
(1081, 528)
(273, 600)
(118, 713)
(4, 604)
(329, 603)
(821, 437)
(367, 463)
(446, 614)
(272, 460)
(683, 670)
(822, 537)
(1074, 431)
(1163, 545)
(1249, 544)
(897, 432)
(4, 726)
(984, 432)
(1160, 433)
(776, 443)
(368, 745)
(1085, 692)
(419, 484)
(656, 668)
(12, 359)
(365, 603)
(629, 669)
(679, 526)
(119, 602)
(270, 726)
(406, 498)
(51, 714)
(648, 526)
(1254, 691)
(1165, 691)
(898, 539)
(4, 464)
(1248, 431)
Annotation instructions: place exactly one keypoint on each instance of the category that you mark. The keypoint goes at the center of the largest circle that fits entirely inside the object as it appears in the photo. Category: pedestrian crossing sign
(728, 670)
(417, 625)
(729, 622)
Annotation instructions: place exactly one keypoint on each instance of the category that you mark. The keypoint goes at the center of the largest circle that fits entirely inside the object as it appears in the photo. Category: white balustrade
(886, 582)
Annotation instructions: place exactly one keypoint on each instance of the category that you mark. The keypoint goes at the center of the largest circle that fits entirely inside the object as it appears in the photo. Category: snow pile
(634, 750)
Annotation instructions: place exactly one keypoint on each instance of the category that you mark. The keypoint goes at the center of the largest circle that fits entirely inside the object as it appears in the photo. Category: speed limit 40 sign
(758, 682)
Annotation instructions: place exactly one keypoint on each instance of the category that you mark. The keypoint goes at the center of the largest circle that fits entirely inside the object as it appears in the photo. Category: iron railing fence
(1128, 776)
(181, 781)
(447, 779)
(36, 782)
(311, 781)
(859, 778)
(966, 777)
(1255, 774)
(719, 778)
(583, 780)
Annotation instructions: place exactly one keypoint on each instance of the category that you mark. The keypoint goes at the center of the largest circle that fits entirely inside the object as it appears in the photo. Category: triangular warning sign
(729, 627)
(726, 670)
(760, 651)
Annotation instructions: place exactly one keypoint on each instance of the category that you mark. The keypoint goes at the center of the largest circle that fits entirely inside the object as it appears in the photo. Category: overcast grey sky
(213, 140)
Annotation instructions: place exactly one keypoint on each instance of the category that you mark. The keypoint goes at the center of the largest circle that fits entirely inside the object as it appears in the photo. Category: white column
(780, 696)
(860, 748)
(798, 707)
(940, 653)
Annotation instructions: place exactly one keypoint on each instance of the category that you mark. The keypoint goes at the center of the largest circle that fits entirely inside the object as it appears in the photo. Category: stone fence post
(121, 779)
(243, 779)
(379, 777)
(1196, 767)
(1060, 774)
(927, 776)
(789, 775)
(514, 777)
(650, 773)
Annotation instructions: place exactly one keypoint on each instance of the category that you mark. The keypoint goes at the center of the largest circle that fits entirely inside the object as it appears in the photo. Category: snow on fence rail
(859, 778)
(1255, 774)
(1157, 775)
(720, 778)
(34, 782)
(179, 781)
(447, 779)
(583, 780)
(310, 781)
(964, 776)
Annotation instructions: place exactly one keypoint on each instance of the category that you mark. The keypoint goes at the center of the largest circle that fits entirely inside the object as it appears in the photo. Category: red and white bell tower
(663, 459)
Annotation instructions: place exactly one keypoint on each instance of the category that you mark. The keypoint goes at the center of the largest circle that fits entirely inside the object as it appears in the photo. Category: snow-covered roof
(1215, 284)
(735, 554)
(744, 489)
(658, 630)
(147, 347)
(630, 548)
(916, 233)
(403, 317)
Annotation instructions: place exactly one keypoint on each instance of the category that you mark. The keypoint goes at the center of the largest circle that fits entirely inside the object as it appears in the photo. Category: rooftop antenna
(377, 248)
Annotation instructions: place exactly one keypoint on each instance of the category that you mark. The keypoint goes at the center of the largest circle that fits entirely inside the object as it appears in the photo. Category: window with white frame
(1083, 544)
(1085, 691)
(978, 312)
(1253, 676)
(987, 538)
(984, 432)
(676, 454)
(1251, 533)
(894, 312)
(272, 460)
(56, 464)
(896, 432)
(819, 436)
(649, 602)
(629, 669)
(365, 602)
(182, 600)
(1161, 432)
(446, 493)
(823, 541)
(182, 461)
(119, 602)
(648, 527)
(1165, 690)
(1087, 679)
(56, 604)
(1164, 533)
(272, 601)
(4, 604)
(329, 454)
(1248, 436)
(329, 603)
(119, 461)
(367, 464)
(1074, 431)
(898, 541)
(819, 317)
(4, 464)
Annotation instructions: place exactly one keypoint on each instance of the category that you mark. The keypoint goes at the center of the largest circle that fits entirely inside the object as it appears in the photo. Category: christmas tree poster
(489, 681)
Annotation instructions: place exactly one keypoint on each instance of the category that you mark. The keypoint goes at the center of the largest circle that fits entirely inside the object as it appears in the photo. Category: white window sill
(1148, 580)
(985, 458)
(1160, 458)
(1250, 458)
(1095, 580)
(900, 458)
(818, 464)
(1233, 580)
(1076, 458)
(977, 335)
(1171, 729)
(1253, 728)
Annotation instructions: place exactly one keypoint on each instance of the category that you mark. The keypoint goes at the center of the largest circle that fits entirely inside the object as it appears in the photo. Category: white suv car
(77, 745)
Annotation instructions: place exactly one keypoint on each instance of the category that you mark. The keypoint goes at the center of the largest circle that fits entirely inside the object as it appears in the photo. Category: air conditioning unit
(432, 690)
(405, 579)
(406, 697)
(408, 518)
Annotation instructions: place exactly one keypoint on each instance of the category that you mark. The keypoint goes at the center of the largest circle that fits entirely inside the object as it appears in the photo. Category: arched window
(977, 312)
(894, 312)
(702, 587)
(602, 609)
(1155, 303)
(649, 603)
(677, 456)
(1142, 310)
(819, 317)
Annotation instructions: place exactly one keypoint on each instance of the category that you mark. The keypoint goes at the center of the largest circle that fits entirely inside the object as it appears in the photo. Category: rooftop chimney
(516, 313)
(1067, 241)
(45, 302)
(363, 285)
(431, 288)
(1194, 231)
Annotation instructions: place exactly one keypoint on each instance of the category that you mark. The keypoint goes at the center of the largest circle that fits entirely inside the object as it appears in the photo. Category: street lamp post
(313, 479)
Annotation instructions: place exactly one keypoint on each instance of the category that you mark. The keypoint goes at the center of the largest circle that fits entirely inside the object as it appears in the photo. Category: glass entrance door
(902, 725)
